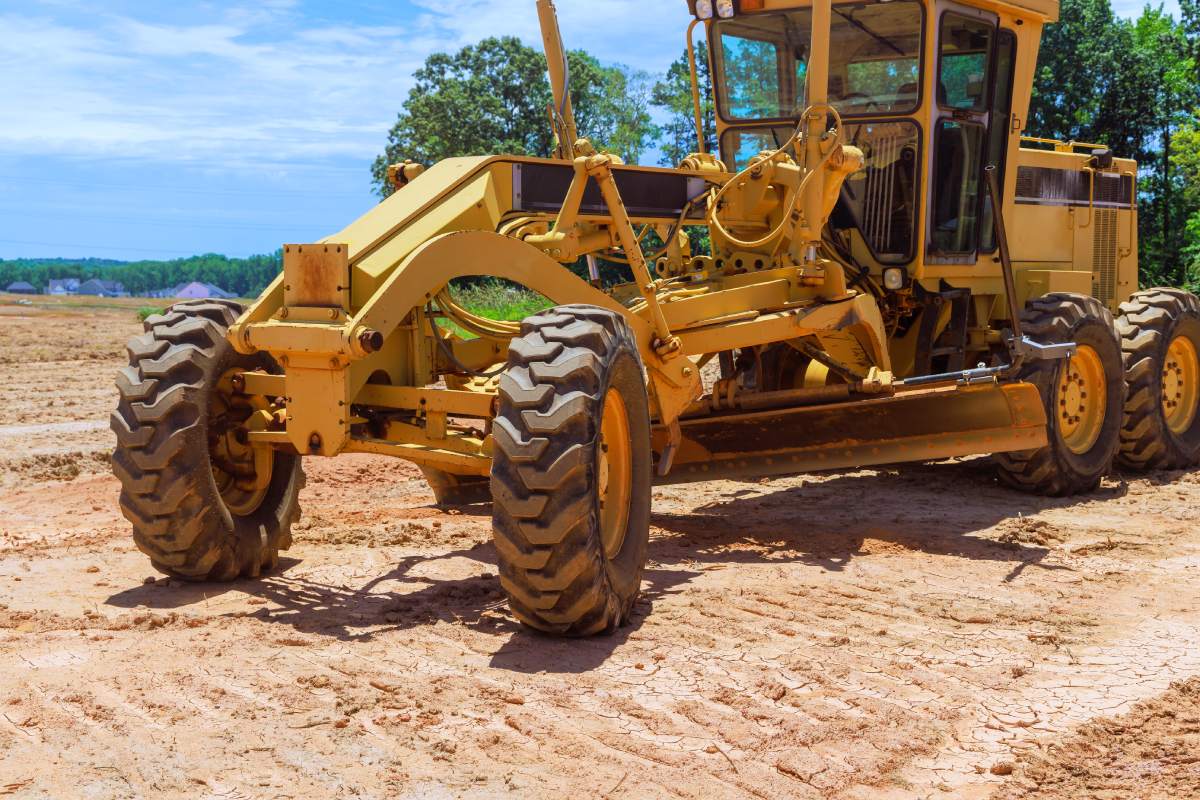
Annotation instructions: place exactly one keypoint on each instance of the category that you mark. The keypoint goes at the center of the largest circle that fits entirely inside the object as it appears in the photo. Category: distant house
(100, 288)
(62, 286)
(197, 290)
(21, 287)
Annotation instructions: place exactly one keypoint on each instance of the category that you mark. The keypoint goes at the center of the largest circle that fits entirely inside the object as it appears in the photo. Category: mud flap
(919, 425)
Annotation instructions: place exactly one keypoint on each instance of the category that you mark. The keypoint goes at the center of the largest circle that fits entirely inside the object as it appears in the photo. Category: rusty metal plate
(316, 275)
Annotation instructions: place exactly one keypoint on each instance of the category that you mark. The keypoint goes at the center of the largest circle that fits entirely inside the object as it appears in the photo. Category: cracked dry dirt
(878, 634)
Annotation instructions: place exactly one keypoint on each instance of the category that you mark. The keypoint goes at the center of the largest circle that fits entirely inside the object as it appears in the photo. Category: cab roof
(1045, 10)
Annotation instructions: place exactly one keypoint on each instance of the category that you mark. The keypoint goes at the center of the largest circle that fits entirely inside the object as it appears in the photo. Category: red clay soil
(920, 632)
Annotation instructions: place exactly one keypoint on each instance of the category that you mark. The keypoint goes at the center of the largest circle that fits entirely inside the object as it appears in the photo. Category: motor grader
(893, 274)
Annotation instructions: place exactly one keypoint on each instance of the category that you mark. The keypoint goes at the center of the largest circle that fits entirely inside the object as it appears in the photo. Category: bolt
(371, 340)
(283, 313)
(239, 384)
(333, 313)
(687, 372)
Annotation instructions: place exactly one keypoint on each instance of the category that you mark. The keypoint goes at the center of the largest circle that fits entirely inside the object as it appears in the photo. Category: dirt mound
(1151, 752)
(53, 466)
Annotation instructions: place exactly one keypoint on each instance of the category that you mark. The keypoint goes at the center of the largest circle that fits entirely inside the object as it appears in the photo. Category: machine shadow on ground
(826, 523)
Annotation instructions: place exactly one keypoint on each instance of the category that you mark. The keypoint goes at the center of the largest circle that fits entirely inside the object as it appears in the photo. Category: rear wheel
(1160, 337)
(1083, 396)
(204, 503)
(571, 472)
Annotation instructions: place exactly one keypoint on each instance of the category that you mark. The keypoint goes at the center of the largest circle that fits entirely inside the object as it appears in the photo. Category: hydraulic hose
(713, 218)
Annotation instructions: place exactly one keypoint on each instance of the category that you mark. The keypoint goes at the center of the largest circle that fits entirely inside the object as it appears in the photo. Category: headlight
(704, 9)
(893, 279)
(725, 9)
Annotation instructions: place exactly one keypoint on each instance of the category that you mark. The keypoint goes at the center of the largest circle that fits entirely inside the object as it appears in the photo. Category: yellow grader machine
(860, 305)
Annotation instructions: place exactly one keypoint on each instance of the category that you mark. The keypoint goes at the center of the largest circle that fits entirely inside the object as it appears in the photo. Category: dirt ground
(906, 633)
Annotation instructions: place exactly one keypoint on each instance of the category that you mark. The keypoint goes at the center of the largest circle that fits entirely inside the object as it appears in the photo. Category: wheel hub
(1082, 400)
(614, 473)
(1180, 385)
(241, 471)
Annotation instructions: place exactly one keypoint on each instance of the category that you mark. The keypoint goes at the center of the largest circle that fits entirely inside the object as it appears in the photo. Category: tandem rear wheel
(1160, 338)
(571, 472)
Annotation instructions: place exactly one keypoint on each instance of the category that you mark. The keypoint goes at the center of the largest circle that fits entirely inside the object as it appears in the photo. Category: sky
(147, 130)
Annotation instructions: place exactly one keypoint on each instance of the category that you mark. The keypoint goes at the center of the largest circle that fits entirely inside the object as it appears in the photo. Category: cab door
(962, 119)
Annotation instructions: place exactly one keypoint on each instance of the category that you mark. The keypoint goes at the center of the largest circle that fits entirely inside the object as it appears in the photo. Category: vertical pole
(817, 78)
(697, 105)
(560, 78)
(1010, 283)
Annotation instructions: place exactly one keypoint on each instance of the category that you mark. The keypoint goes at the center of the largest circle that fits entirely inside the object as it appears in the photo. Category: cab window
(966, 47)
(875, 61)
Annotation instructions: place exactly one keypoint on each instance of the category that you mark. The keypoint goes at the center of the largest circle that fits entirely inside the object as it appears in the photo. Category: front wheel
(204, 503)
(571, 472)
(1084, 398)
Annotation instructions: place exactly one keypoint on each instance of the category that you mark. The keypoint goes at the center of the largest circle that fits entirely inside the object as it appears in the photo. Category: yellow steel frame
(348, 320)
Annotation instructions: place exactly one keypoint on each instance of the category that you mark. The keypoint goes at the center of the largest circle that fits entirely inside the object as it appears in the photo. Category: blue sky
(154, 130)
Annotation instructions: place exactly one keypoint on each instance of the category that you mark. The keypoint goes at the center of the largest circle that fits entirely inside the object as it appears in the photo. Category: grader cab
(859, 303)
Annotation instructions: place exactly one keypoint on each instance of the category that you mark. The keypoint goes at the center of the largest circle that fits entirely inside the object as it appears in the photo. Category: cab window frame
(717, 51)
(977, 116)
(1005, 37)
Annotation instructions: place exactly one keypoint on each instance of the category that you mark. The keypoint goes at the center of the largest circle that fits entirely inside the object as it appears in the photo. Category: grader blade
(919, 425)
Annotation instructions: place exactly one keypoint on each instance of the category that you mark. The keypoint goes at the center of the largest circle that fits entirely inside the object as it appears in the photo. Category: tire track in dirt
(862, 635)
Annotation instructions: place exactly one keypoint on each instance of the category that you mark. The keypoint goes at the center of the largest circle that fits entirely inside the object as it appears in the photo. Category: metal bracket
(667, 459)
(1030, 350)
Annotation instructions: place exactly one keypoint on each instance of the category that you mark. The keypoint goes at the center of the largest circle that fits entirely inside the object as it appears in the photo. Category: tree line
(244, 277)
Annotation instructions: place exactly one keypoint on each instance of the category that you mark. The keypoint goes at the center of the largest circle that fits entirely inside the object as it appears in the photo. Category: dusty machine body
(523, 219)
(860, 299)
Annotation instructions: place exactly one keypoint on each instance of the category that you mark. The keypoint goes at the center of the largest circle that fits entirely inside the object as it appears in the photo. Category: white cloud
(259, 84)
(263, 84)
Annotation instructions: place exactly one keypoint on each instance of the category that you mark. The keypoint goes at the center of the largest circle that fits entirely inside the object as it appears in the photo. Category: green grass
(500, 300)
(148, 311)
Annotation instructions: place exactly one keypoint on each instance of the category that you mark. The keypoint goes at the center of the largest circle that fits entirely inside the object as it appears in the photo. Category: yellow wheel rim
(614, 471)
(242, 472)
(1180, 385)
(1082, 400)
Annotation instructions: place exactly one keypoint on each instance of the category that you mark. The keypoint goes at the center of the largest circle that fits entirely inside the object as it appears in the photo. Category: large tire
(561, 576)
(1160, 337)
(1071, 463)
(164, 456)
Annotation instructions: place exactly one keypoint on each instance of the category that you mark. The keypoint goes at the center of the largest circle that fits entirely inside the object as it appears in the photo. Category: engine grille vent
(1104, 256)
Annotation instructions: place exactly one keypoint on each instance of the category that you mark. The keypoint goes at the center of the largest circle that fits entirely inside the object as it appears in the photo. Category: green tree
(1075, 67)
(494, 97)
(673, 94)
